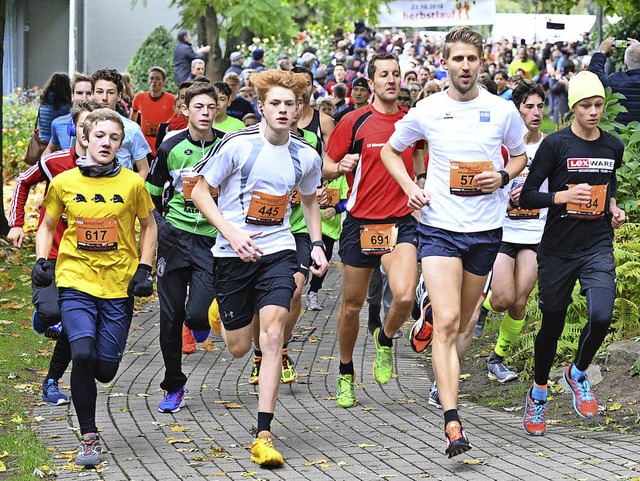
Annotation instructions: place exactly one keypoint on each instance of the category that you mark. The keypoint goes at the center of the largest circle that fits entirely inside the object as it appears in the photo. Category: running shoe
(477, 331)
(535, 412)
(173, 401)
(499, 372)
(457, 441)
(188, 341)
(434, 397)
(89, 451)
(313, 304)
(214, 317)
(53, 332)
(51, 393)
(584, 400)
(345, 394)
(422, 331)
(289, 373)
(254, 378)
(421, 292)
(383, 365)
(263, 452)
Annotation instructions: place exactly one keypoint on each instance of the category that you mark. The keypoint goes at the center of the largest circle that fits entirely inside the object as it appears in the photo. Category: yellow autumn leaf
(4, 454)
(249, 474)
(311, 463)
(172, 440)
(474, 461)
(179, 429)
(234, 406)
(3, 468)
(218, 473)
(542, 454)
(465, 376)
(143, 394)
(323, 373)
(365, 445)
(614, 407)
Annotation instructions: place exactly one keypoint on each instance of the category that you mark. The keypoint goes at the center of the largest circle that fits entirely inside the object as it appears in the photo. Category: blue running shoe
(173, 401)
(53, 332)
(51, 393)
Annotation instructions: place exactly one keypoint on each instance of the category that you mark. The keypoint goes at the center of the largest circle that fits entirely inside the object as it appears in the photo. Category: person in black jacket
(627, 82)
(183, 55)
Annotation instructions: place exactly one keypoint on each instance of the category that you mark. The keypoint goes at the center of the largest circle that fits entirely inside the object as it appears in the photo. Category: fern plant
(626, 314)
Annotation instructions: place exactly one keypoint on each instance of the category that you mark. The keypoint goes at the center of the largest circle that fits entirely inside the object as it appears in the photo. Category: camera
(620, 43)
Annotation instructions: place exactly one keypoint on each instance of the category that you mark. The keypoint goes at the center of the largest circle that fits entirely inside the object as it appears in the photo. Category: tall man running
(462, 203)
(378, 228)
(256, 170)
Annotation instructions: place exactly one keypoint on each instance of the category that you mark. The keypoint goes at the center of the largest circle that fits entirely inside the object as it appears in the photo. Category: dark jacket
(626, 83)
(183, 55)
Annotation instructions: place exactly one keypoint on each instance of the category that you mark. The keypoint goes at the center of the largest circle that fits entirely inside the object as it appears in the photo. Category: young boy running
(256, 170)
(580, 165)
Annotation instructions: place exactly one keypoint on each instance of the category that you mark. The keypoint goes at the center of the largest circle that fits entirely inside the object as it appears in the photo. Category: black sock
(383, 340)
(257, 352)
(285, 345)
(347, 368)
(451, 415)
(264, 422)
(495, 357)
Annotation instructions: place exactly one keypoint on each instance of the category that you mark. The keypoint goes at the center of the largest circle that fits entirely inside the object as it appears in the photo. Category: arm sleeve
(52, 201)
(531, 197)
(25, 181)
(218, 164)
(408, 130)
(614, 186)
(596, 66)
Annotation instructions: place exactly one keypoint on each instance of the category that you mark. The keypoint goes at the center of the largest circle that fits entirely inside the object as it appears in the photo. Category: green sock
(487, 303)
(509, 330)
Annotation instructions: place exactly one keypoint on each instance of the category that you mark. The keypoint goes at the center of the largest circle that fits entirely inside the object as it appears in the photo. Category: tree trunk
(4, 225)
(215, 67)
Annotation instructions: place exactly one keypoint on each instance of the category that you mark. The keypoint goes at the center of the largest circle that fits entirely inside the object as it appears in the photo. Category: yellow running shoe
(345, 394)
(254, 378)
(289, 373)
(263, 452)
(214, 317)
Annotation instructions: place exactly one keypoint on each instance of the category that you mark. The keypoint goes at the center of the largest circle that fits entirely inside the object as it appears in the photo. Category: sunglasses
(404, 99)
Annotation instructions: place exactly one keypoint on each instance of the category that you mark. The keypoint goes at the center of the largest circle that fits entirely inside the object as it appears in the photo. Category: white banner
(437, 13)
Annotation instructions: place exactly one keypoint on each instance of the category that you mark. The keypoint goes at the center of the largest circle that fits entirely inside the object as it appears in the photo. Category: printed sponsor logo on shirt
(447, 115)
(485, 116)
(370, 146)
(188, 152)
(590, 164)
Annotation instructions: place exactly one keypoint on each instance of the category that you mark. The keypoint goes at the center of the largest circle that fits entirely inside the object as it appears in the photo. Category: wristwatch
(318, 243)
(505, 177)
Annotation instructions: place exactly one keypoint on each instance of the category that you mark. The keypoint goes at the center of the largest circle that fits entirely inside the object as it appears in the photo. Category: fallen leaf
(614, 407)
(172, 440)
(248, 474)
(3, 468)
(542, 454)
(179, 429)
(365, 445)
(474, 461)
(234, 406)
(323, 373)
(311, 463)
(218, 473)
(464, 376)
(143, 394)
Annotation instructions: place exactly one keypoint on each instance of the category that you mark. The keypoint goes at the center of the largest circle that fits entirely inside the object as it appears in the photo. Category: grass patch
(24, 358)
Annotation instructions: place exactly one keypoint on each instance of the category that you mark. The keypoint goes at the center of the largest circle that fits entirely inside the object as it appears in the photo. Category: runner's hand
(618, 217)
(418, 198)
(578, 194)
(42, 274)
(141, 284)
(319, 263)
(348, 163)
(488, 182)
(243, 245)
(16, 236)
(329, 213)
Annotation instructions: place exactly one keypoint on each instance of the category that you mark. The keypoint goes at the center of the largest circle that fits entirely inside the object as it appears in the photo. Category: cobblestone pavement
(391, 434)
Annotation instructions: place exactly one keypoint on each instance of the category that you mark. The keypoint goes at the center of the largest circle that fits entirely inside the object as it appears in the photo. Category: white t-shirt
(526, 227)
(244, 163)
(471, 131)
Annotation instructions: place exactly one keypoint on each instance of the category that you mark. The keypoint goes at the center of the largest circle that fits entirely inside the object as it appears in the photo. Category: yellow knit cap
(584, 85)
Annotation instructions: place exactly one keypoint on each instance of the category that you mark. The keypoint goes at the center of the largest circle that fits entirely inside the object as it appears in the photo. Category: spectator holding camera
(627, 82)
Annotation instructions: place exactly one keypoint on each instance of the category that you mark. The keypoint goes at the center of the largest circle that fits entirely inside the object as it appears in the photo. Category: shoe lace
(584, 388)
(174, 397)
(536, 413)
(52, 388)
(344, 384)
(88, 445)
(453, 431)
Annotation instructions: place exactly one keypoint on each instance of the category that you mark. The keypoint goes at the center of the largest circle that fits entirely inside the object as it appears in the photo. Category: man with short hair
(524, 63)
(462, 203)
(236, 59)
(626, 82)
(339, 102)
(183, 55)
(360, 93)
(378, 228)
(185, 238)
(238, 107)
(312, 119)
(339, 75)
(258, 57)
(107, 90)
(256, 170)
(197, 68)
(152, 108)
(62, 128)
(225, 122)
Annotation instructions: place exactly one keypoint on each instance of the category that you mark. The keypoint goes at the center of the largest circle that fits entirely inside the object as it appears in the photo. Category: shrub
(155, 50)
(20, 110)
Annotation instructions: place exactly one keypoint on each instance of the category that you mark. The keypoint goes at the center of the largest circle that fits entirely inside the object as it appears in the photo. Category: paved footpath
(391, 434)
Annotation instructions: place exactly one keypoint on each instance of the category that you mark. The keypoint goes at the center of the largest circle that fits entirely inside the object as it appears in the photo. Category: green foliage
(626, 314)
(628, 178)
(19, 116)
(155, 50)
(610, 7)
